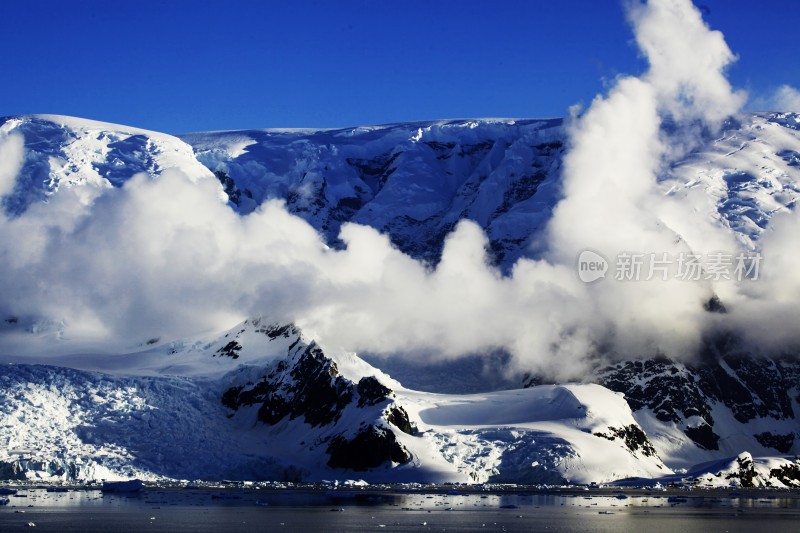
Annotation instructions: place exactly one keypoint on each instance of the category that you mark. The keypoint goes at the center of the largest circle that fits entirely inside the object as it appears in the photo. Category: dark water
(318, 511)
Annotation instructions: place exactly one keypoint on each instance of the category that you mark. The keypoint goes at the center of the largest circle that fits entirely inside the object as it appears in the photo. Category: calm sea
(364, 510)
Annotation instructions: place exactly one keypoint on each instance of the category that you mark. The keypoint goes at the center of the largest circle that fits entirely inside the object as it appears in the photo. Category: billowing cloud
(12, 153)
(612, 201)
(166, 258)
(766, 311)
(687, 60)
(787, 98)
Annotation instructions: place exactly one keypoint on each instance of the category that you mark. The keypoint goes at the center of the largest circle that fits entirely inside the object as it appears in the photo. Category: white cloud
(611, 199)
(787, 98)
(12, 153)
(166, 257)
(687, 60)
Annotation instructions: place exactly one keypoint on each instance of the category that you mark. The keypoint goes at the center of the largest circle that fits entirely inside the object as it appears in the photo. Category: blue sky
(182, 65)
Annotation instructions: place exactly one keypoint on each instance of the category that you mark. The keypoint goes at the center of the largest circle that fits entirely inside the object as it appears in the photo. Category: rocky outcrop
(746, 471)
(634, 438)
(781, 442)
(749, 386)
(307, 386)
(788, 474)
(398, 417)
(370, 448)
(371, 391)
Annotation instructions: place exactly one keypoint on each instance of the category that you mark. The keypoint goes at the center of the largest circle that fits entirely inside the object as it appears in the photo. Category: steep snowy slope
(68, 152)
(750, 172)
(412, 181)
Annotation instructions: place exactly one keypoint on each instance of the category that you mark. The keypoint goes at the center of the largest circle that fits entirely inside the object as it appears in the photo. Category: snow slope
(544, 434)
(497, 172)
(71, 152)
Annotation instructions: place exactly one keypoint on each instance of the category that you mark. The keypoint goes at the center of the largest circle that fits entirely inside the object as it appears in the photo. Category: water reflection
(214, 509)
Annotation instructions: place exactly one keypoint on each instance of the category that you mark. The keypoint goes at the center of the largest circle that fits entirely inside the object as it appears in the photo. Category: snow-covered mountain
(415, 181)
(732, 402)
(499, 173)
(411, 181)
(68, 152)
(295, 412)
(264, 400)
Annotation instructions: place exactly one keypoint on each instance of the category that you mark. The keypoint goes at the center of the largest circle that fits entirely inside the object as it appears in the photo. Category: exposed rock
(703, 436)
(747, 471)
(715, 305)
(399, 417)
(633, 436)
(782, 443)
(273, 331)
(230, 350)
(371, 391)
(750, 386)
(756, 387)
(745, 475)
(306, 385)
(229, 186)
(671, 390)
(789, 474)
(370, 448)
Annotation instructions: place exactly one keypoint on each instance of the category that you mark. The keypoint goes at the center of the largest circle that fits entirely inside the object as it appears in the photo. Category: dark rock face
(310, 387)
(703, 436)
(746, 473)
(633, 437)
(274, 331)
(789, 475)
(371, 391)
(782, 443)
(715, 305)
(230, 350)
(307, 385)
(399, 418)
(231, 398)
(370, 448)
(671, 391)
(376, 171)
(229, 186)
(750, 386)
(523, 188)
